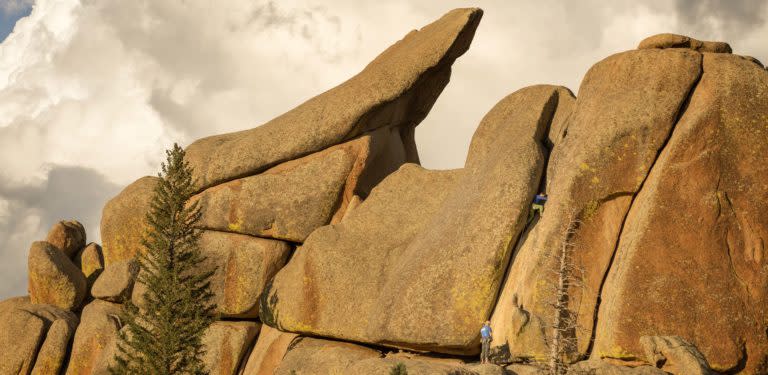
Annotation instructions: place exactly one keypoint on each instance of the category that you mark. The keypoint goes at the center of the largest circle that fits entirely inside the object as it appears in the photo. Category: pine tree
(398, 369)
(165, 336)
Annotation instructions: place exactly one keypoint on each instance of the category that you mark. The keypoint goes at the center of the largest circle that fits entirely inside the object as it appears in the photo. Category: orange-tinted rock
(312, 356)
(94, 346)
(692, 260)
(408, 267)
(116, 282)
(680, 41)
(226, 344)
(269, 351)
(90, 261)
(122, 221)
(67, 236)
(53, 278)
(396, 90)
(626, 109)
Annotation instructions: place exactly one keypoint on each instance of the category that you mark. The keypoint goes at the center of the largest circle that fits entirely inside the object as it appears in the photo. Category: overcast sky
(93, 91)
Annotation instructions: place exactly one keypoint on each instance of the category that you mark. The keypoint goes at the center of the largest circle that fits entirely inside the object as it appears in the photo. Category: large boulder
(419, 366)
(116, 282)
(269, 351)
(396, 90)
(674, 355)
(243, 267)
(309, 356)
(90, 261)
(67, 236)
(692, 261)
(598, 367)
(226, 345)
(53, 278)
(667, 40)
(122, 221)
(34, 338)
(434, 256)
(95, 344)
(625, 112)
(286, 202)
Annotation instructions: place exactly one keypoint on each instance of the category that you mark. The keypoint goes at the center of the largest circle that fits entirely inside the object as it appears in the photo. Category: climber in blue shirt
(485, 334)
(538, 205)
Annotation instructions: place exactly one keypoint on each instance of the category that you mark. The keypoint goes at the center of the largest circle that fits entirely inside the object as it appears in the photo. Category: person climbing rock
(485, 334)
(538, 205)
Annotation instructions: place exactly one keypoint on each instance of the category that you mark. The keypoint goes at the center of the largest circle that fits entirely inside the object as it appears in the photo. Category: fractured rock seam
(681, 112)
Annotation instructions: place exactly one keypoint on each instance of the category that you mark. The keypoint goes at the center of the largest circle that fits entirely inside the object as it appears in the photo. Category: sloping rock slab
(308, 356)
(395, 90)
(95, 344)
(122, 221)
(419, 263)
(269, 351)
(53, 278)
(226, 344)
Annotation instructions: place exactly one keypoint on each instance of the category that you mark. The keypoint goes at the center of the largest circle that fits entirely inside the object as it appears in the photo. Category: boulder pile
(338, 254)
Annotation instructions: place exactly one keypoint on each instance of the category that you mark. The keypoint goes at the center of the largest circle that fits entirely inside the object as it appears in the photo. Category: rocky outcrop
(424, 259)
(226, 345)
(308, 356)
(662, 41)
(53, 278)
(692, 260)
(122, 221)
(67, 236)
(34, 339)
(269, 351)
(396, 91)
(94, 346)
(612, 141)
(90, 261)
(674, 355)
(116, 282)
(598, 367)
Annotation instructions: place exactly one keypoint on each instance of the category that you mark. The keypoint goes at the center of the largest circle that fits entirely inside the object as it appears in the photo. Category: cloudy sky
(93, 91)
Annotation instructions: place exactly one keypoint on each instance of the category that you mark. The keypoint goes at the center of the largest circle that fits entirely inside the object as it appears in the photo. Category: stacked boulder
(337, 253)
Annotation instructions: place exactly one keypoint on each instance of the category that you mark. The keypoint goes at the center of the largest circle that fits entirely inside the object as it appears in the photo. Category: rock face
(33, 338)
(67, 236)
(680, 41)
(424, 259)
(396, 90)
(116, 282)
(94, 345)
(308, 356)
(269, 351)
(287, 202)
(90, 261)
(122, 221)
(226, 345)
(613, 138)
(244, 266)
(53, 278)
(674, 355)
(691, 259)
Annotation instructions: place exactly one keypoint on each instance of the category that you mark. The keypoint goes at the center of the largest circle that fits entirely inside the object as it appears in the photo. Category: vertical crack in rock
(680, 113)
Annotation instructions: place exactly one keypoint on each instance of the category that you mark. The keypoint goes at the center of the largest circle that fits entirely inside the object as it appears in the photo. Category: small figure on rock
(538, 205)
(486, 335)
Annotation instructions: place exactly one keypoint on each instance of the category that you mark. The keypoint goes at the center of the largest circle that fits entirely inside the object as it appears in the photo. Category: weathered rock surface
(308, 356)
(692, 260)
(244, 265)
(122, 221)
(680, 41)
(90, 261)
(67, 236)
(33, 338)
(626, 109)
(419, 366)
(268, 352)
(674, 355)
(287, 202)
(226, 345)
(95, 339)
(598, 367)
(53, 278)
(425, 258)
(396, 90)
(116, 282)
